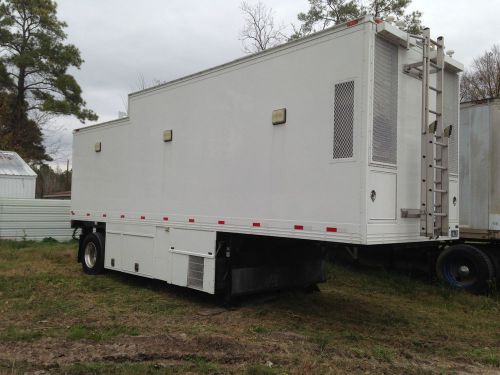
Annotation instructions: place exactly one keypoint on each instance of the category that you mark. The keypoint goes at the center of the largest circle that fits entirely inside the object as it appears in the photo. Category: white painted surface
(229, 169)
(383, 204)
(193, 242)
(17, 179)
(17, 187)
(35, 219)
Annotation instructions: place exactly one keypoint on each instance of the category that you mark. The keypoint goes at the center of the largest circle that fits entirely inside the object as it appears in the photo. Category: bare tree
(260, 31)
(482, 79)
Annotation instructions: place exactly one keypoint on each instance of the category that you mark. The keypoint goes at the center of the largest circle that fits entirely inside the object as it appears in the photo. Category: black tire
(93, 253)
(465, 267)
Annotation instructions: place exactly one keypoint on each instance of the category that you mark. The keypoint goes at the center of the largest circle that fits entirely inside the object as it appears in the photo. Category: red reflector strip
(352, 23)
(191, 220)
(331, 230)
(221, 222)
(143, 217)
(298, 227)
(165, 218)
(122, 216)
(257, 225)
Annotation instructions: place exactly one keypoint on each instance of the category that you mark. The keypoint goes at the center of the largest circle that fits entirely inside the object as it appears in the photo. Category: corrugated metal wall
(35, 219)
(17, 186)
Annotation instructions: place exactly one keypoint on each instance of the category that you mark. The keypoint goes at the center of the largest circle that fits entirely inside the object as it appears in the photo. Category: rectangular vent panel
(385, 103)
(195, 272)
(343, 125)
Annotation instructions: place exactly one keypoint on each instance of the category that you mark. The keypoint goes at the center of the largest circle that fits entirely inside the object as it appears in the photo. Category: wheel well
(87, 227)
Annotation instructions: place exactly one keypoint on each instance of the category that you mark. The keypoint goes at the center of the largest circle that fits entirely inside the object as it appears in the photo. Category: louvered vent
(343, 128)
(195, 272)
(451, 118)
(385, 103)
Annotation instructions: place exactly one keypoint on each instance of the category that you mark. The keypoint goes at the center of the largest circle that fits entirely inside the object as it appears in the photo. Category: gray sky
(121, 40)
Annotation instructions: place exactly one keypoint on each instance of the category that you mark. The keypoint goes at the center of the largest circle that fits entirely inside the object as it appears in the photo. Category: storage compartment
(382, 195)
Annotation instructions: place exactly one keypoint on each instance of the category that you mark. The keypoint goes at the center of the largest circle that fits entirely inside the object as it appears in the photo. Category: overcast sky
(121, 40)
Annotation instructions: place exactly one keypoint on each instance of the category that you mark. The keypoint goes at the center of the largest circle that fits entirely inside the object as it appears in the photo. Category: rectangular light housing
(167, 136)
(279, 116)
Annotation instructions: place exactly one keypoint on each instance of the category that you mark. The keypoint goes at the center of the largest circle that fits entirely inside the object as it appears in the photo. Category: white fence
(35, 219)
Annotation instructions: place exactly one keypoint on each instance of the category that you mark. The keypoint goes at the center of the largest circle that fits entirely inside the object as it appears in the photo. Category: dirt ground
(57, 320)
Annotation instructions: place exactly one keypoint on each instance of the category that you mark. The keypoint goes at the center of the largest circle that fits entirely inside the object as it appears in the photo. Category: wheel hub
(90, 255)
(463, 270)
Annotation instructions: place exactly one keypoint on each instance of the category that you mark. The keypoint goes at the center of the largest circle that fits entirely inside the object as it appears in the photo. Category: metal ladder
(434, 208)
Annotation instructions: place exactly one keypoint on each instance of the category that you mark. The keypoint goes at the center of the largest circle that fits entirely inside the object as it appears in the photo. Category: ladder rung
(439, 191)
(437, 205)
(408, 67)
(439, 167)
(437, 159)
(434, 112)
(435, 89)
(439, 214)
(440, 144)
(435, 66)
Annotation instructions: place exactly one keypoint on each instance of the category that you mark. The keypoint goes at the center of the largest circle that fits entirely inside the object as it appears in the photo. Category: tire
(93, 254)
(465, 267)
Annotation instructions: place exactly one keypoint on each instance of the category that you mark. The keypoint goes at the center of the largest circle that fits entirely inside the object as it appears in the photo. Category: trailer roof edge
(240, 60)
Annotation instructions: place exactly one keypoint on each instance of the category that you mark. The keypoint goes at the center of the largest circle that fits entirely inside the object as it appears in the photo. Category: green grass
(15, 334)
(99, 333)
(197, 366)
(364, 320)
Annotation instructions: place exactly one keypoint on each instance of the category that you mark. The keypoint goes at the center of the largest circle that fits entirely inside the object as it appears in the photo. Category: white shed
(17, 179)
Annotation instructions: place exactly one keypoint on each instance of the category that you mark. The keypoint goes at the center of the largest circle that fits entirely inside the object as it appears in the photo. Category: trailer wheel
(465, 267)
(93, 253)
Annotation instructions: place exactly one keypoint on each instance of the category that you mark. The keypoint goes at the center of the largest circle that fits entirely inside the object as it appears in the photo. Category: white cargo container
(17, 179)
(480, 169)
(321, 139)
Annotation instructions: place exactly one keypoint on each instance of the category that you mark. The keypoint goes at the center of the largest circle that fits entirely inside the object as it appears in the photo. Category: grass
(57, 319)
(99, 333)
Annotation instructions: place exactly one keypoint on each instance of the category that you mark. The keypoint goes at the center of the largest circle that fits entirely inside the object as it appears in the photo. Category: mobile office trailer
(226, 179)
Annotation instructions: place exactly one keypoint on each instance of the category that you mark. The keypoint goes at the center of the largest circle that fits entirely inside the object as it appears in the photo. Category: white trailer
(226, 179)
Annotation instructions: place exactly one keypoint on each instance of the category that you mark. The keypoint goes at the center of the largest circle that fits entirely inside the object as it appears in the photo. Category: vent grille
(343, 132)
(385, 103)
(451, 118)
(195, 272)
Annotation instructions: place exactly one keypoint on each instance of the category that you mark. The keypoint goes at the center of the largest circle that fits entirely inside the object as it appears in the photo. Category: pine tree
(34, 63)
